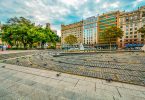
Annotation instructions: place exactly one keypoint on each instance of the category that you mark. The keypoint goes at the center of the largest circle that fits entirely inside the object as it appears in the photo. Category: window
(135, 36)
(131, 32)
(143, 14)
(126, 28)
(135, 24)
(127, 19)
(126, 36)
(131, 17)
(126, 33)
(130, 29)
(135, 32)
(142, 36)
(135, 17)
(131, 25)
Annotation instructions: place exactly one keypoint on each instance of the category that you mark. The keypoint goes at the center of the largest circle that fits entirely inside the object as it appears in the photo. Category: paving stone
(22, 81)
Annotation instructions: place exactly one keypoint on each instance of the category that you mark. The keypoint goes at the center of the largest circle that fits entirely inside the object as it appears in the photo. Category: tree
(142, 31)
(44, 36)
(22, 31)
(71, 39)
(32, 36)
(111, 34)
(9, 34)
(17, 28)
(54, 39)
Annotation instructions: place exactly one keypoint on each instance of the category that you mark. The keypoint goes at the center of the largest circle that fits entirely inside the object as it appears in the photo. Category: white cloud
(98, 1)
(59, 12)
(111, 5)
(74, 3)
(87, 13)
(43, 13)
(115, 4)
(136, 2)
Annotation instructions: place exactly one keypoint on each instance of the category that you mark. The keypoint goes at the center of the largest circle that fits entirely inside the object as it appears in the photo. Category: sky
(58, 12)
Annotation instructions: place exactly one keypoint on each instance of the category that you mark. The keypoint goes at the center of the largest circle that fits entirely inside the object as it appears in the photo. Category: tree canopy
(112, 33)
(71, 39)
(21, 31)
(142, 30)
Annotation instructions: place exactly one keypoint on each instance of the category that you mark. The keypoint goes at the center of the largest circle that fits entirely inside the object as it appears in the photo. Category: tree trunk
(25, 45)
(17, 45)
(42, 45)
(30, 45)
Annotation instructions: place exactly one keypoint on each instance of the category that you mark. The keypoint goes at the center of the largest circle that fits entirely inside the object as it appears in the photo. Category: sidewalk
(19, 82)
(15, 51)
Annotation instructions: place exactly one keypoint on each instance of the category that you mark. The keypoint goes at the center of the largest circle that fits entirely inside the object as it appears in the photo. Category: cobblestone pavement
(127, 67)
(24, 83)
(15, 54)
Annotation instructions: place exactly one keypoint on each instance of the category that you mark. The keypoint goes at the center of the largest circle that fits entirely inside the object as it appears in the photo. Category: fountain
(143, 48)
(81, 47)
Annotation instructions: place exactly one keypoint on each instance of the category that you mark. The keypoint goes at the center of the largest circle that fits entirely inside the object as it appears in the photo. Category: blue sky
(59, 12)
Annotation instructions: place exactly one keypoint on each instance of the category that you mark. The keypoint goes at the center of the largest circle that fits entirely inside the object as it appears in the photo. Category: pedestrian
(4, 47)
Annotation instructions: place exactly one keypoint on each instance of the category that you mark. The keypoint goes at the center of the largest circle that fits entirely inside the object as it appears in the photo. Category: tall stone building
(104, 21)
(48, 25)
(75, 29)
(130, 23)
(90, 31)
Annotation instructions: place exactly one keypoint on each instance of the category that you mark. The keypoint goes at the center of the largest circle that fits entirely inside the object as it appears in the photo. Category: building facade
(130, 23)
(90, 31)
(48, 25)
(75, 29)
(104, 21)
(55, 31)
(0, 33)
